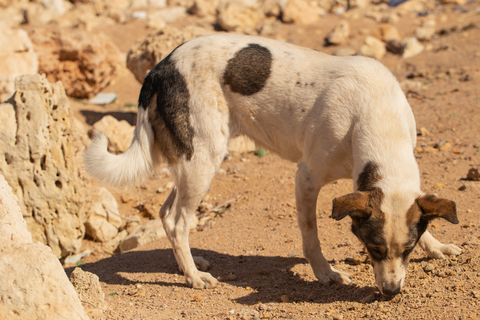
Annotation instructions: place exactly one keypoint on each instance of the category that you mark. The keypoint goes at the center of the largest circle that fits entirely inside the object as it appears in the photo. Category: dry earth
(255, 246)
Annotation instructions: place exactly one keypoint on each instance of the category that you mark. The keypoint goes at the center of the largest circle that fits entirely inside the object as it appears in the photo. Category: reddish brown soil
(257, 239)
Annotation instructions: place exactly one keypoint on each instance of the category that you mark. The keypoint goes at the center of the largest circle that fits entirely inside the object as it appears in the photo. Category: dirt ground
(254, 247)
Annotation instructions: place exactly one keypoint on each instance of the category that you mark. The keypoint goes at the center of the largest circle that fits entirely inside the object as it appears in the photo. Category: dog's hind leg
(192, 179)
(307, 187)
(436, 249)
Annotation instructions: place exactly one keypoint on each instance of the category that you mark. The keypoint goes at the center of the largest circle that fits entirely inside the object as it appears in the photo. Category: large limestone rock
(156, 46)
(239, 17)
(17, 57)
(34, 285)
(85, 63)
(103, 217)
(88, 288)
(301, 12)
(119, 133)
(37, 159)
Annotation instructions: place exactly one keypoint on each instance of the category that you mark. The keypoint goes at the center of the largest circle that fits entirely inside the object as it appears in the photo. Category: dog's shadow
(267, 278)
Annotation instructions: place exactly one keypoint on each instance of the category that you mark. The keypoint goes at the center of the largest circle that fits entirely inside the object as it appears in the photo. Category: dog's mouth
(389, 280)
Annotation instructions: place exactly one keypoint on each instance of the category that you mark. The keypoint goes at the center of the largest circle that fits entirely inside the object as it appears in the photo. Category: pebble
(429, 267)
(438, 185)
(473, 174)
(197, 298)
(285, 298)
(368, 299)
(412, 48)
(232, 277)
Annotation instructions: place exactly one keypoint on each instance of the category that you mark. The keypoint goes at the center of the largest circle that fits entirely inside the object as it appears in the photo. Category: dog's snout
(393, 291)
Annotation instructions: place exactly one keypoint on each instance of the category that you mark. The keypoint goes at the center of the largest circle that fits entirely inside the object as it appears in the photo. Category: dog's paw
(334, 276)
(202, 280)
(439, 251)
(201, 263)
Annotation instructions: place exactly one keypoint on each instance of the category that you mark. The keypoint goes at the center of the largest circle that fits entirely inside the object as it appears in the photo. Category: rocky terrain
(246, 225)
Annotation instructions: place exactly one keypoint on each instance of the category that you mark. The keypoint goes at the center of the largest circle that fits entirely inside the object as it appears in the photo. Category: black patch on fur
(248, 71)
(368, 178)
(172, 110)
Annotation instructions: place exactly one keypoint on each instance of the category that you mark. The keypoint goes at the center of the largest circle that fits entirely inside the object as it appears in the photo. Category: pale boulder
(36, 286)
(301, 12)
(424, 33)
(17, 57)
(100, 229)
(373, 48)
(204, 8)
(412, 48)
(143, 234)
(87, 286)
(119, 133)
(238, 17)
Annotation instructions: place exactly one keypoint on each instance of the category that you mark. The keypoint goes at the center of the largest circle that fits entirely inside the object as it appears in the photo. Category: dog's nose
(392, 292)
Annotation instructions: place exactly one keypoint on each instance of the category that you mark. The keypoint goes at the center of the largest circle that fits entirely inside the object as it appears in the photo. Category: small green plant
(113, 294)
(80, 263)
(260, 152)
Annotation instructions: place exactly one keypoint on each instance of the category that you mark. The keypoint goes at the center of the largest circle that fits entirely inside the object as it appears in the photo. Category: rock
(446, 146)
(100, 229)
(424, 132)
(204, 8)
(270, 27)
(240, 145)
(411, 85)
(473, 174)
(373, 48)
(368, 299)
(17, 57)
(300, 11)
(85, 63)
(37, 286)
(143, 234)
(85, 17)
(387, 32)
(112, 245)
(205, 207)
(116, 15)
(156, 46)
(54, 5)
(429, 267)
(285, 298)
(424, 33)
(37, 158)
(119, 133)
(238, 17)
(12, 15)
(339, 33)
(395, 46)
(37, 15)
(344, 52)
(456, 2)
(169, 14)
(248, 314)
(438, 185)
(412, 48)
(88, 288)
(352, 4)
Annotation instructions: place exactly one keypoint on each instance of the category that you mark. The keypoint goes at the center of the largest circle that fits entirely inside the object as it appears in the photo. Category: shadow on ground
(93, 116)
(269, 277)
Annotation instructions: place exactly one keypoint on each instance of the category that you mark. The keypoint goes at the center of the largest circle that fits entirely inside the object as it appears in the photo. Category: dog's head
(389, 226)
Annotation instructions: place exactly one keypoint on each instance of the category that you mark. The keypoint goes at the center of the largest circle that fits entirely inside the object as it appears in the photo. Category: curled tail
(133, 165)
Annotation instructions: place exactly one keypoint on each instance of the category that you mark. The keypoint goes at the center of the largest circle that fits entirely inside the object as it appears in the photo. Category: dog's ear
(433, 207)
(354, 205)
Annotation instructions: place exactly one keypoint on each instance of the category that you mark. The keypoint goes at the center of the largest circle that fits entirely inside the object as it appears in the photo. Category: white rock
(119, 133)
(37, 158)
(411, 85)
(17, 57)
(235, 16)
(358, 4)
(156, 23)
(204, 8)
(300, 11)
(100, 229)
(412, 48)
(339, 33)
(88, 288)
(36, 286)
(143, 234)
(103, 205)
(373, 48)
(424, 33)
(387, 32)
(55, 5)
(169, 14)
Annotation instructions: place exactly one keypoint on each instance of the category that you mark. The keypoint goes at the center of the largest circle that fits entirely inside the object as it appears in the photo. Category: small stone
(368, 299)
(438, 185)
(424, 132)
(429, 267)
(339, 33)
(424, 33)
(285, 298)
(373, 48)
(429, 149)
(386, 32)
(337, 317)
(473, 174)
(447, 146)
(395, 46)
(232, 277)
(412, 48)
(197, 298)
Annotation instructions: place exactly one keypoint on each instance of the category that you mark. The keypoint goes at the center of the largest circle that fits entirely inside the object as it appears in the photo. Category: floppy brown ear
(353, 204)
(434, 207)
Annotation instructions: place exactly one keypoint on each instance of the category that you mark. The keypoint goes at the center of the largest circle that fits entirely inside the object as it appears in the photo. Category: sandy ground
(255, 246)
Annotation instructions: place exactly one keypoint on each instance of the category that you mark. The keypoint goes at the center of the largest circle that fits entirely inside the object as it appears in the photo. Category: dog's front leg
(306, 193)
(436, 249)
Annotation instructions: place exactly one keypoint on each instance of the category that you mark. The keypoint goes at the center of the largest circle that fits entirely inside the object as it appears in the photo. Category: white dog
(337, 117)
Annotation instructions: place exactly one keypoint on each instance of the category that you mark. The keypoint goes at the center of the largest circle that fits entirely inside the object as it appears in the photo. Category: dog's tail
(133, 165)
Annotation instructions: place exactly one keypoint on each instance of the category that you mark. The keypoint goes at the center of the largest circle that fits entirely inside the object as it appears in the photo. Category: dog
(336, 117)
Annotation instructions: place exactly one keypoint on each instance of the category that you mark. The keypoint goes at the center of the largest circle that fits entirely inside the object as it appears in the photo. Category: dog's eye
(376, 252)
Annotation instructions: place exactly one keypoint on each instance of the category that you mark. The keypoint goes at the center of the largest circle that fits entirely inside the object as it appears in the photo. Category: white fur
(128, 168)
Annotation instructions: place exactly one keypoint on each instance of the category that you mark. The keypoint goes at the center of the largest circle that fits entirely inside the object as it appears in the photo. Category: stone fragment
(446, 146)
(455, 2)
(412, 48)
(429, 267)
(119, 133)
(373, 48)
(473, 174)
(285, 298)
(85, 63)
(339, 34)
(411, 85)
(387, 32)
(344, 52)
(100, 229)
(238, 17)
(104, 205)
(17, 57)
(88, 288)
(204, 8)
(240, 145)
(156, 46)
(143, 234)
(37, 158)
(395, 46)
(352, 4)
(300, 11)
(424, 33)
(36, 286)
